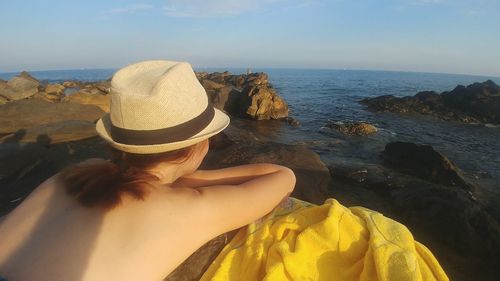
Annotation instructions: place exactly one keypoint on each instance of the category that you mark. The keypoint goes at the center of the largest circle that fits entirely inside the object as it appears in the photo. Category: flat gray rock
(64, 131)
(24, 114)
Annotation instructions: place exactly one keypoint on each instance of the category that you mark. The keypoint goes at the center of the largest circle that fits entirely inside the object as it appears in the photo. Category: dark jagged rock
(225, 98)
(351, 128)
(424, 162)
(478, 102)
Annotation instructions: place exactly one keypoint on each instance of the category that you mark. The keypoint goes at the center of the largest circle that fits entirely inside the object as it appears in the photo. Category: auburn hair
(104, 184)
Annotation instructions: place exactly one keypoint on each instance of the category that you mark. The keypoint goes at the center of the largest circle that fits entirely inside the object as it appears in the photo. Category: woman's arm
(260, 188)
(226, 176)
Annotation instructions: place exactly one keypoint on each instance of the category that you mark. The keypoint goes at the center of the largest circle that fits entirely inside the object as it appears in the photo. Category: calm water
(317, 96)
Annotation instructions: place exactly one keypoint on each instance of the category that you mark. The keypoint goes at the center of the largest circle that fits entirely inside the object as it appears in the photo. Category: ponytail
(105, 183)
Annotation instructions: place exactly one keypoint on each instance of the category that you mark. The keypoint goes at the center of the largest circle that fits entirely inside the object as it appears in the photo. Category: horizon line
(196, 68)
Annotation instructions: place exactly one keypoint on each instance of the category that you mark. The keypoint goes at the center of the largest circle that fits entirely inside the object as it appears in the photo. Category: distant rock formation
(248, 95)
(478, 102)
(19, 87)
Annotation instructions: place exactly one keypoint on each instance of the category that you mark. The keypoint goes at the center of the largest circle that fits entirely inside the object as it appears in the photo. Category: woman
(140, 215)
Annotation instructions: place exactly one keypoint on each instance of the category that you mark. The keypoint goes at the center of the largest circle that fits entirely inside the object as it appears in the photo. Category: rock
(258, 78)
(194, 267)
(56, 89)
(52, 93)
(84, 97)
(237, 81)
(247, 95)
(52, 97)
(262, 103)
(25, 114)
(478, 102)
(353, 128)
(23, 166)
(424, 162)
(225, 98)
(71, 84)
(292, 121)
(201, 75)
(93, 91)
(20, 87)
(3, 100)
(28, 76)
(218, 77)
(64, 131)
(211, 85)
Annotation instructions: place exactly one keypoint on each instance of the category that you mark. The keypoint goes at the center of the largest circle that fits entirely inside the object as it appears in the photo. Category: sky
(444, 36)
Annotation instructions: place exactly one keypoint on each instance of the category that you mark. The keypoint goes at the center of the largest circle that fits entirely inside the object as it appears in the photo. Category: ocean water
(318, 96)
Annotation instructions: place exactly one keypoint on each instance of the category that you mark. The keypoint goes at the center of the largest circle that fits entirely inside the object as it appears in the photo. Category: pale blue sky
(450, 36)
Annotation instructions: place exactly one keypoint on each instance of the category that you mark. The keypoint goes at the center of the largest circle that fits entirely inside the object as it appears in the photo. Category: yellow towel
(301, 241)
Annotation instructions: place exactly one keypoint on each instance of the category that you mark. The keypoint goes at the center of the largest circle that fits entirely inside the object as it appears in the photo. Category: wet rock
(64, 131)
(292, 121)
(352, 128)
(478, 102)
(424, 162)
(90, 98)
(262, 103)
(25, 114)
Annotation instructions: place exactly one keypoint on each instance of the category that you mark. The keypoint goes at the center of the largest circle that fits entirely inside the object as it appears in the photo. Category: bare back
(52, 237)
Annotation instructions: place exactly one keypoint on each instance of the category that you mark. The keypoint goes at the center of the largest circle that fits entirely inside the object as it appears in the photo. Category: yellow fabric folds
(301, 241)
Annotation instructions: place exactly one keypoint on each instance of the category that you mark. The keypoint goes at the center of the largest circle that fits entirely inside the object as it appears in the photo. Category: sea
(318, 96)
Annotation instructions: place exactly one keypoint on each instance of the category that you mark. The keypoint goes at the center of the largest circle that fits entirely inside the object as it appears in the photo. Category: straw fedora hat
(158, 106)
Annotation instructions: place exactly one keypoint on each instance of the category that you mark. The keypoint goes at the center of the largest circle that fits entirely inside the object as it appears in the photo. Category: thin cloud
(221, 8)
(130, 9)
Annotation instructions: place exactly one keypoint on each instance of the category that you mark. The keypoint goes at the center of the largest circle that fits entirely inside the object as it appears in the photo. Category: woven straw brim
(219, 123)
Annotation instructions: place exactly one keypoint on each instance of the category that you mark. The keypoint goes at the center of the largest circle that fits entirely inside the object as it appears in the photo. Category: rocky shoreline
(475, 103)
(45, 127)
